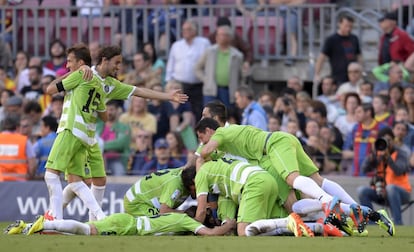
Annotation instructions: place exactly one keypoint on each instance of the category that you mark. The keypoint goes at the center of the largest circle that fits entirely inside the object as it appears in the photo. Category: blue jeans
(396, 196)
(223, 95)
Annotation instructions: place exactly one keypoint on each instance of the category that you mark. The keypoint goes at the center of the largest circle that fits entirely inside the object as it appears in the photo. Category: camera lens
(381, 144)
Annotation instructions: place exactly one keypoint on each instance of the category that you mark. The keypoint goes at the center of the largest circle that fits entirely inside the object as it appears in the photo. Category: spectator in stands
(45, 99)
(237, 42)
(366, 92)
(220, 68)
(142, 74)
(408, 98)
(15, 165)
(5, 81)
(138, 117)
(21, 62)
(4, 96)
(42, 147)
(158, 65)
(127, 17)
(184, 54)
(295, 82)
(253, 114)
(400, 130)
(341, 48)
(395, 93)
(5, 54)
(33, 91)
(355, 80)
(14, 105)
(142, 154)
(391, 184)
(303, 103)
(267, 99)
(33, 110)
(360, 140)
(291, 16)
(57, 51)
(181, 117)
(162, 159)
(401, 115)
(94, 48)
(162, 110)
(250, 8)
(395, 77)
(285, 109)
(382, 110)
(311, 129)
(332, 154)
(6, 24)
(395, 44)
(117, 140)
(55, 107)
(274, 123)
(382, 72)
(176, 146)
(345, 123)
(328, 88)
(23, 78)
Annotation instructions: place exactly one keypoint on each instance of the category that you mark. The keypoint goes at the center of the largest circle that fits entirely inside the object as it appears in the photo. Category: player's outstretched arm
(174, 95)
(219, 230)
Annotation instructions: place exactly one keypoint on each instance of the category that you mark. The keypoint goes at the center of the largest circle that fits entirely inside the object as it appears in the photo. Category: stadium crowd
(339, 129)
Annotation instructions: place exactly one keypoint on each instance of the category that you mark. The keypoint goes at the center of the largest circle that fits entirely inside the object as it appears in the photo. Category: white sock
(346, 208)
(309, 187)
(68, 226)
(68, 196)
(334, 188)
(54, 186)
(85, 194)
(98, 193)
(306, 206)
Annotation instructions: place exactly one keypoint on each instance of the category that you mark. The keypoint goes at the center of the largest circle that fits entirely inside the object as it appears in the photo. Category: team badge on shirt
(175, 195)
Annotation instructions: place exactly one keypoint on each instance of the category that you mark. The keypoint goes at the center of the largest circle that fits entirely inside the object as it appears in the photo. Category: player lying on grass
(125, 224)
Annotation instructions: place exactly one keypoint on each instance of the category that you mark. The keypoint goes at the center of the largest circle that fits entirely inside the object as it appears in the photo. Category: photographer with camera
(390, 184)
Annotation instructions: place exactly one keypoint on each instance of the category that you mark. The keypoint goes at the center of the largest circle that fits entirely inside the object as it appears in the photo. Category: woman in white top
(346, 122)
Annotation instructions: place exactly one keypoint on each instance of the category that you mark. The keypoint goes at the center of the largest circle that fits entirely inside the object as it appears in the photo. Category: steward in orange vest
(13, 158)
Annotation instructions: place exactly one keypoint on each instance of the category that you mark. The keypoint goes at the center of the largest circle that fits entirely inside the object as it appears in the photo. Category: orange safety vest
(13, 159)
(392, 179)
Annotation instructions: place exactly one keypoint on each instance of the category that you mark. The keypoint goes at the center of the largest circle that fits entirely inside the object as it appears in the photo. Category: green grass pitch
(377, 241)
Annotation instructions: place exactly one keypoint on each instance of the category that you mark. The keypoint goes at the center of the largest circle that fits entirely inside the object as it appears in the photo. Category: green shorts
(116, 224)
(287, 155)
(139, 208)
(95, 163)
(258, 198)
(226, 209)
(68, 154)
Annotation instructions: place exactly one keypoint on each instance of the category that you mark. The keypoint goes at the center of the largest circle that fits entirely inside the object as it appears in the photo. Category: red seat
(71, 30)
(56, 8)
(38, 33)
(241, 25)
(207, 25)
(102, 29)
(263, 35)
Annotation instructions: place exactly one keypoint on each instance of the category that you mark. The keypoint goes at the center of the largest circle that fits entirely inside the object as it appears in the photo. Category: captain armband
(60, 87)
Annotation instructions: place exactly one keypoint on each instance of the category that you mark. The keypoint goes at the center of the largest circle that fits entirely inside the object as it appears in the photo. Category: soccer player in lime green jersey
(125, 224)
(252, 190)
(79, 122)
(159, 192)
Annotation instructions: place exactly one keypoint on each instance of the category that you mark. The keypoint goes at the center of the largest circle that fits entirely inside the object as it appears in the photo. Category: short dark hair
(217, 108)
(50, 122)
(81, 52)
(113, 103)
(11, 122)
(345, 17)
(320, 108)
(205, 123)
(187, 176)
(108, 52)
(32, 106)
(39, 69)
(366, 106)
(387, 131)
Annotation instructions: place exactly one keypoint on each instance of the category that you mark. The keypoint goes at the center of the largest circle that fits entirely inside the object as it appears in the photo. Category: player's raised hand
(177, 96)
(87, 72)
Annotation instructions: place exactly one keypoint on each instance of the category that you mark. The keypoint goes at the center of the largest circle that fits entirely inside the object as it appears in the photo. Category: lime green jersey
(113, 88)
(170, 223)
(224, 177)
(161, 187)
(83, 101)
(241, 140)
